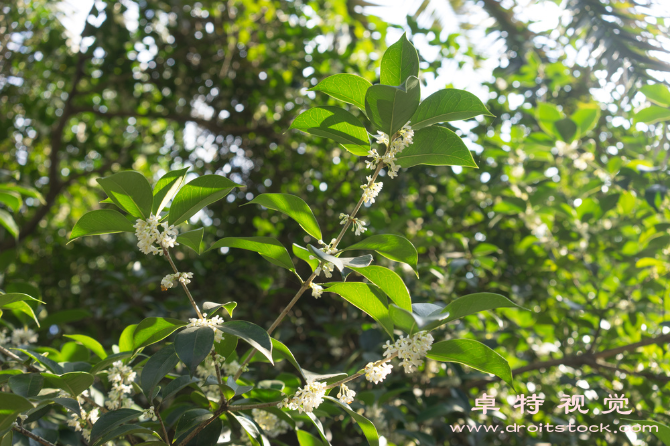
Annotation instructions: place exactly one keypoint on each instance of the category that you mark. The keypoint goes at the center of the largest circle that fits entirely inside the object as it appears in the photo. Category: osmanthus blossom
(306, 399)
(18, 337)
(376, 373)
(122, 377)
(148, 234)
(211, 323)
(346, 395)
(272, 425)
(357, 225)
(404, 139)
(410, 350)
(171, 280)
(371, 190)
(326, 267)
(317, 290)
(84, 422)
(207, 368)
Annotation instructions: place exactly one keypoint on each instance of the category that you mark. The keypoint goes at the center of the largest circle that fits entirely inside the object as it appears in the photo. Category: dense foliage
(566, 215)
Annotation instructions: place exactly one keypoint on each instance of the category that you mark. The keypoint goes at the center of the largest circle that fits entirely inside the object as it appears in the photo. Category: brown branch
(203, 425)
(29, 434)
(166, 253)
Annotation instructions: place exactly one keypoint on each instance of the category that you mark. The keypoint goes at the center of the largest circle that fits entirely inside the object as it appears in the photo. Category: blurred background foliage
(568, 220)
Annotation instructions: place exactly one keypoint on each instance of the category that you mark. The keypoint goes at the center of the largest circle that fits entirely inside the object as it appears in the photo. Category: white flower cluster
(147, 233)
(346, 395)
(357, 225)
(371, 190)
(377, 373)
(150, 413)
(171, 280)
(231, 369)
(582, 161)
(121, 376)
(271, 424)
(84, 422)
(211, 323)
(306, 399)
(410, 350)
(404, 139)
(19, 337)
(317, 290)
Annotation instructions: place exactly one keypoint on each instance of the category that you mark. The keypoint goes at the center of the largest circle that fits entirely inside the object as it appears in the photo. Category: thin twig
(203, 425)
(188, 293)
(160, 419)
(361, 373)
(29, 434)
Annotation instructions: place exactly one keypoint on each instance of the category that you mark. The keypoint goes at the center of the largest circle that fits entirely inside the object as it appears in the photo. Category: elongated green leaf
(124, 430)
(160, 364)
(293, 206)
(177, 384)
(307, 439)
(447, 105)
(319, 427)
(27, 385)
(567, 129)
(367, 298)
(661, 431)
(249, 426)
(193, 239)
(653, 114)
(166, 188)
(25, 191)
(197, 194)
(546, 115)
(8, 222)
(111, 359)
(473, 354)
(212, 307)
(91, 344)
(659, 94)
(421, 317)
(226, 346)
(154, 329)
(389, 282)
(50, 364)
(474, 303)
(278, 348)
(368, 428)
(12, 200)
(11, 405)
(393, 247)
(336, 124)
(130, 191)
(251, 333)
(102, 221)
(399, 62)
(346, 87)
(273, 251)
(15, 297)
(126, 338)
(389, 108)
(192, 345)
(22, 307)
(306, 255)
(436, 146)
(586, 117)
(110, 420)
(74, 382)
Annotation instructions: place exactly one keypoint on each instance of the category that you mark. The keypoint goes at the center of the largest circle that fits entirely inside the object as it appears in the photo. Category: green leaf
(586, 117)
(447, 105)
(294, 207)
(567, 129)
(474, 303)
(389, 282)
(368, 428)
(652, 115)
(25, 191)
(367, 298)
(159, 364)
(305, 254)
(8, 222)
(250, 427)
(349, 88)
(436, 146)
(341, 263)
(74, 382)
(422, 317)
(126, 338)
(111, 359)
(124, 430)
(271, 250)
(24, 308)
(130, 191)
(46, 362)
(393, 247)
(251, 333)
(27, 385)
(226, 346)
(197, 194)
(389, 108)
(399, 62)
(662, 431)
(193, 240)
(192, 345)
(110, 420)
(279, 349)
(11, 405)
(546, 115)
(154, 329)
(11, 200)
(65, 317)
(102, 221)
(659, 94)
(15, 297)
(473, 354)
(90, 343)
(307, 439)
(336, 124)
(212, 307)
(166, 188)
(319, 427)
(177, 384)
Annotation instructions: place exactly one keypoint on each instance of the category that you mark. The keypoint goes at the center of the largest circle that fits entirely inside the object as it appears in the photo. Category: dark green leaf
(154, 329)
(271, 250)
(336, 124)
(11, 405)
(394, 247)
(177, 384)
(130, 191)
(212, 307)
(294, 207)
(50, 364)
(109, 360)
(122, 431)
(389, 108)
(367, 298)
(369, 429)
(103, 221)
(447, 105)
(567, 129)
(278, 348)
(436, 146)
(65, 317)
(399, 62)
(192, 345)
(346, 87)
(27, 385)
(110, 420)
(16, 297)
(74, 382)
(197, 194)
(251, 333)
(159, 364)
(193, 240)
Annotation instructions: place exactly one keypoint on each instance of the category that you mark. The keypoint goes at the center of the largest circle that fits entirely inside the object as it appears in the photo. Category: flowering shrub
(198, 386)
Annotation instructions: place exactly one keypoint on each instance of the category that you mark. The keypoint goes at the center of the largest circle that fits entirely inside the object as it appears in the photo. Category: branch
(203, 425)
(188, 293)
(29, 434)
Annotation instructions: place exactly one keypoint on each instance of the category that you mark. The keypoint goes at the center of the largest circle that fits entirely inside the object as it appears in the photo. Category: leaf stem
(183, 285)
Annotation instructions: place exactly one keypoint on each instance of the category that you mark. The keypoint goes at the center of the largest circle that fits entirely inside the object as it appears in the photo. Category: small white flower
(271, 424)
(211, 323)
(23, 336)
(151, 414)
(232, 368)
(371, 190)
(382, 138)
(358, 225)
(317, 290)
(306, 399)
(327, 269)
(410, 350)
(171, 280)
(377, 373)
(121, 376)
(346, 395)
(147, 234)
